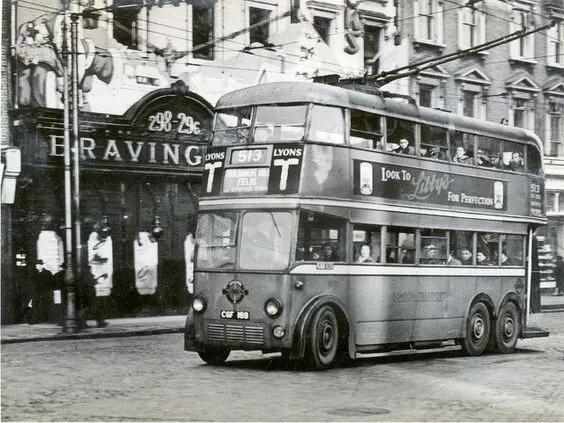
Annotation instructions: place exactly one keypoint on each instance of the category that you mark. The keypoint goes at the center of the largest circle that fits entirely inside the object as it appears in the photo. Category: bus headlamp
(278, 332)
(273, 307)
(199, 304)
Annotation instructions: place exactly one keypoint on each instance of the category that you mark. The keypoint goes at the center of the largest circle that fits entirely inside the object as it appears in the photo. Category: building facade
(519, 83)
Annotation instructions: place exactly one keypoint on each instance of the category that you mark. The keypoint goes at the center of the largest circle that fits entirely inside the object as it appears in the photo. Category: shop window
(259, 30)
(125, 21)
(202, 32)
(365, 130)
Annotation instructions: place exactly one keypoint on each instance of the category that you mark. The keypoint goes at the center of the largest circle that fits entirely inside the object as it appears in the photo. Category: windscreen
(264, 242)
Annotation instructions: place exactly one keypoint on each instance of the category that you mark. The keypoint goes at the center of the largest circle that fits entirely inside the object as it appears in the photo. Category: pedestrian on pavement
(559, 276)
(42, 301)
(87, 301)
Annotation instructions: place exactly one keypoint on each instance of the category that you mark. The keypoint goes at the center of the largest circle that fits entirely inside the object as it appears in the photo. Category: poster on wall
(146, 256)
(189, 244)
(100, 259)
(50, 250)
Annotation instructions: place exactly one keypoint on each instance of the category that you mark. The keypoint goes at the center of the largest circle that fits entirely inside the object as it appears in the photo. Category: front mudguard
(300, 331)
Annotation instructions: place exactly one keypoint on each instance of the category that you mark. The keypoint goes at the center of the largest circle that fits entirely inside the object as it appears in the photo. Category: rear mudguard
(305, 316)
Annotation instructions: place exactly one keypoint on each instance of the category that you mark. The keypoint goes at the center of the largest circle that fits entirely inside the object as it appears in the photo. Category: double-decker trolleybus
(336, 221)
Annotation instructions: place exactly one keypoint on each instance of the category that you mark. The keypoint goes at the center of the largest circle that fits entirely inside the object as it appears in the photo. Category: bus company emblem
(235, 291)
(519, 285)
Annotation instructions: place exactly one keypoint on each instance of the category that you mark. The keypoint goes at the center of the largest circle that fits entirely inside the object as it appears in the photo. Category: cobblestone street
(151, 378)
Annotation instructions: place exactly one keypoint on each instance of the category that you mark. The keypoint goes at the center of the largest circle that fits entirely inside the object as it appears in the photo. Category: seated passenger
(483, 159)
(505, 260)
(482, 259)
(404, 147)
(430, 255)
(516, 162)
(329, 254)
(364, 255)
(452, 260)
(466, 257)
(435, 153)
(461, 157)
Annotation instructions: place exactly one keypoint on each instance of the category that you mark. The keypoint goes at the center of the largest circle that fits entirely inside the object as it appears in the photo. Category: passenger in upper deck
(404, 147)
(516, 162)
(435, 153)
(461, 157)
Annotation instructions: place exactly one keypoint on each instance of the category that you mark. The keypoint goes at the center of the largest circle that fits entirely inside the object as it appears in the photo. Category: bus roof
(310, 92)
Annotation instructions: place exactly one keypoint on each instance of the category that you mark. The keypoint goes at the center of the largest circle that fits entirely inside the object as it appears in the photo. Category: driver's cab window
(320, 238)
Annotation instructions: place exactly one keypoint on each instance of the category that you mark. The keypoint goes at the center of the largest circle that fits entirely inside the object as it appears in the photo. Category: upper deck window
(232, 127)
(327, 125)
(365, 130)
(280, 123)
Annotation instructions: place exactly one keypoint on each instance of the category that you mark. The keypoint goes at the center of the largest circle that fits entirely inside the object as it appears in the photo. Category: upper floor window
(556, 125)
(469, 103)
(555, 41)
(522, 47)
(371, 48)
(202, 32)
(471, 27)
(259, 25)
(125, 21)
(429, 21)
(520, 112)
(323, 27)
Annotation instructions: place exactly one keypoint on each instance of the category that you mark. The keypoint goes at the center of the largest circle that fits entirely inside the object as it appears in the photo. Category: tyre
(507, 328)
(214, 355)
(478, 328)
(323, 339)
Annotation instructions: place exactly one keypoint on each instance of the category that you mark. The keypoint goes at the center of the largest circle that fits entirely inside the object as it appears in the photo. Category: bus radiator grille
(235, 333)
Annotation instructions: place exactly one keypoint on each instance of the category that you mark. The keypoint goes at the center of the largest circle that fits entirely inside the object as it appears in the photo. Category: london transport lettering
(418, 185)
(258, 170)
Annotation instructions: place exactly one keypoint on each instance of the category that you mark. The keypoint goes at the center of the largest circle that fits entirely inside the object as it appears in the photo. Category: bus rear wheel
(478, 328)
(323, 339)
(507, 328)
(214, 355)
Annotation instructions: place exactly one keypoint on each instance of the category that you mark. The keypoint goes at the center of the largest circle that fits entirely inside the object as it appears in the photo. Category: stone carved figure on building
(353, 26)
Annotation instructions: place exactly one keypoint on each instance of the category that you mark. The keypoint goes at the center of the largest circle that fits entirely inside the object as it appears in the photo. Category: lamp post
(73, 244)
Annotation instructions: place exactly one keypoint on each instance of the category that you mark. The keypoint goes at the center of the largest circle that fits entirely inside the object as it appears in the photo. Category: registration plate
(235, 315)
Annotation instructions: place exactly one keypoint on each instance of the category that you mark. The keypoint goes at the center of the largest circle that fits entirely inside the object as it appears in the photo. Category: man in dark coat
(42, 301)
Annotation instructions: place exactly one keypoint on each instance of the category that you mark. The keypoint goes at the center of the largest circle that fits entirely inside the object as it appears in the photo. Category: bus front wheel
(323, 339)
(478, 328)
(507, 328)
(214, 355)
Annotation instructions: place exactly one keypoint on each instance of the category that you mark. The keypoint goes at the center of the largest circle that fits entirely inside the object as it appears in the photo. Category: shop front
(139, 178)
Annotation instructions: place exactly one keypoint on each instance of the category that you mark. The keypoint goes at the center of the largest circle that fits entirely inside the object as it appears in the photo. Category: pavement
(142, 326)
